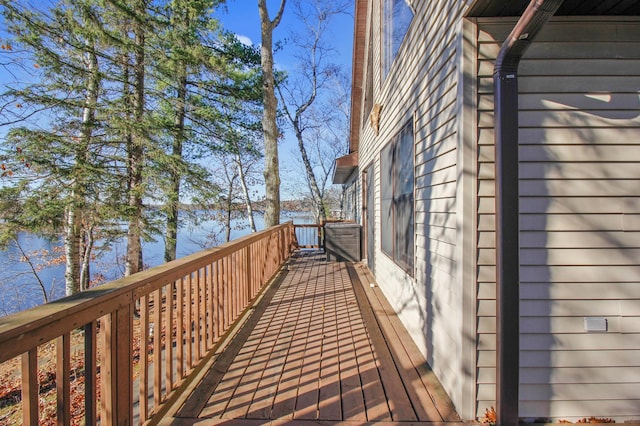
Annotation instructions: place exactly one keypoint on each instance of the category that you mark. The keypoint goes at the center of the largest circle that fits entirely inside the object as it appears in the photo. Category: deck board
(322, 348)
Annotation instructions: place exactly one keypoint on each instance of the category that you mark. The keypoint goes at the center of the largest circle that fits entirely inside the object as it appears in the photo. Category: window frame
(367, 100)
(398, 244)
(389, 21)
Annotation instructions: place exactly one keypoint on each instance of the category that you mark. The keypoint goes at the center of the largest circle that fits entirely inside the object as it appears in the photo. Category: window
(368, 90)
(396, 203)
(397, 16)
(350, 200)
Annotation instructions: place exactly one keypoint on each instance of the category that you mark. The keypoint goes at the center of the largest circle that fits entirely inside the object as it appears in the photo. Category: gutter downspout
(505, 80)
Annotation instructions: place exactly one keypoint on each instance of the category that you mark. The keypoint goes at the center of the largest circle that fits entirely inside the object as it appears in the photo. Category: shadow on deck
(319, 347)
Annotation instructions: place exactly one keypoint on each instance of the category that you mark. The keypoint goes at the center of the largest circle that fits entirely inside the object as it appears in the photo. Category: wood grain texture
(315, 350)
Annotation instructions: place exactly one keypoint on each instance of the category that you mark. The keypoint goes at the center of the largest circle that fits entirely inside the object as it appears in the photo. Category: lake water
(20, 290)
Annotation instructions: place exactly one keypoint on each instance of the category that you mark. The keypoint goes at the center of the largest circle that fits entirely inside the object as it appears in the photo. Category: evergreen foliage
(115, 110)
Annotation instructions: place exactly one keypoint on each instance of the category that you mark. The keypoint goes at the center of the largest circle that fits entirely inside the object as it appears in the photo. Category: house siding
(429, 299)
(579, 183)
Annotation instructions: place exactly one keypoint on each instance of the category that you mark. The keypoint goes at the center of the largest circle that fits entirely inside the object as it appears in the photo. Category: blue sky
(242, 18)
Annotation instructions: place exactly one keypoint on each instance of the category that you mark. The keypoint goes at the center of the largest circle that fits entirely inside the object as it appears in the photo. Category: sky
(242, 18)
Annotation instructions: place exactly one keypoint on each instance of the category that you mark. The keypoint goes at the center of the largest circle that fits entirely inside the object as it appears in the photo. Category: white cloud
(244, 40)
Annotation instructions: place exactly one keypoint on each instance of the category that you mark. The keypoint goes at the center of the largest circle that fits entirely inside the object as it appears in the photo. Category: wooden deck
(320, 347)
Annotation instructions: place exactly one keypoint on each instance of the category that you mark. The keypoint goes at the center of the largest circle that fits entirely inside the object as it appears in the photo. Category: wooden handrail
(177, 312)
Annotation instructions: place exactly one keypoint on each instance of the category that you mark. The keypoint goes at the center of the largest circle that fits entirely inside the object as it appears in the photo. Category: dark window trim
(368, 85)
(385, 69)
(397, 199)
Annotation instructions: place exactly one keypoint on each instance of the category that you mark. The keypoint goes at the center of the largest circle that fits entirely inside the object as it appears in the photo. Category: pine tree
(179, 63)
(53, 161)
(204, 77)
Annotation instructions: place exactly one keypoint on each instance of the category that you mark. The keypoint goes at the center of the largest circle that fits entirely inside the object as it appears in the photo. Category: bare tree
(237, 161)
(304, 99)
(269, 124)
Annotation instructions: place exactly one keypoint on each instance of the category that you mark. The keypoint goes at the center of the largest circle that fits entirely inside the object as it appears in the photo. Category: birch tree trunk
(73, 219)
(229, 209)
(245, 192)
(85, 267)
(316, 194)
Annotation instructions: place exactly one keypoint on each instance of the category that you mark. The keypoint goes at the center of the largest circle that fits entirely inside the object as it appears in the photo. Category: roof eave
(359, 40)
(345, 166)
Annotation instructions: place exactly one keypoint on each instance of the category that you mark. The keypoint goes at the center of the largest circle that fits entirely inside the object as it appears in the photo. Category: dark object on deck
(342, 241)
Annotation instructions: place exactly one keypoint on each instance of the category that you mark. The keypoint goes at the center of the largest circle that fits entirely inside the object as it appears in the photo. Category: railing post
(281, 246)
(247, 272)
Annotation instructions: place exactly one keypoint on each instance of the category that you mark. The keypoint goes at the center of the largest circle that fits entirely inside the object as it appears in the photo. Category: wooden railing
(310, 235)
(125, 350)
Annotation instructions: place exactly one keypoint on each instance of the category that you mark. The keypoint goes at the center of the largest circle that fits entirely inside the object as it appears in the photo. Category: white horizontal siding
(580, 218)
(423, 85)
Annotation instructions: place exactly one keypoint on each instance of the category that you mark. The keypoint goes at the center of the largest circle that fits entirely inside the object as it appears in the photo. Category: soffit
(345, 166)
(492, 8)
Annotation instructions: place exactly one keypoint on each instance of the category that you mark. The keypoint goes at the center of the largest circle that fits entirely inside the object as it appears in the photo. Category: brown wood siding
(580, 216)
(359, 48)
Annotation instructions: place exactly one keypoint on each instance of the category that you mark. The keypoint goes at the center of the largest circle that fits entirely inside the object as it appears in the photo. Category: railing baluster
(263, 259)
(223, 294)
(168, 339)
(195, 325)
(231, 290)
(202, 323)
(90, 372)
(279, 248)
(240, 278)
(63, 386)
(215, 311)
(210, 323)
(220, 296)
(250, 269)
(189, 325)
(30, 388)
(157, 348)
(180, 318)
(144, 358)
(106, 371)
(247, 272)
(233, 274)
